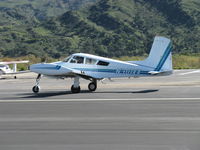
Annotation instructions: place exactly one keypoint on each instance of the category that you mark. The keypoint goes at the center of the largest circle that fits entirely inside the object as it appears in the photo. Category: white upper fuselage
(91, 66)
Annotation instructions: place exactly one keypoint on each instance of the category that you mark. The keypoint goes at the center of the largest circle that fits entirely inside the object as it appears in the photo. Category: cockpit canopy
(67, 59)
(75, 59)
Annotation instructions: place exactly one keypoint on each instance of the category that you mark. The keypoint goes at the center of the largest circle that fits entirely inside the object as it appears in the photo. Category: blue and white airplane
(93, 68)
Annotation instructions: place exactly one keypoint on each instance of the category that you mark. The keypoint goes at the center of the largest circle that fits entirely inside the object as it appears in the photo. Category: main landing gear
(36, 88)
(76, 86)
(92, 86)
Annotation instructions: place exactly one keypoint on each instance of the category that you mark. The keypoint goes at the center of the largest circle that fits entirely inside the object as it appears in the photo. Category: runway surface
(142, 114)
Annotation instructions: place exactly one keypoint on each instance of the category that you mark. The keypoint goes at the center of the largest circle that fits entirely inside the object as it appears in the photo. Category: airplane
(6, 70)
(94, 68)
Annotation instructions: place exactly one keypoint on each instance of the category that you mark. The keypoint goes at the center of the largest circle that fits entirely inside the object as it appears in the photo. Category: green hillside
(108, 28)
(43, 8)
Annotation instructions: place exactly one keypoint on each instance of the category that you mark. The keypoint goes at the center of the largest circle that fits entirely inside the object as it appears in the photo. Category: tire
(92, 86)
(75, 90)
(36, 89)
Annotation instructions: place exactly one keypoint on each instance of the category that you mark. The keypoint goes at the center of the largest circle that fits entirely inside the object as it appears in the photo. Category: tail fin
(160, 57)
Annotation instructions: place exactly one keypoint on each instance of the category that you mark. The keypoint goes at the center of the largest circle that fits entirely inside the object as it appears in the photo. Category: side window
(102, 63)
(77, 60)
(90, 61)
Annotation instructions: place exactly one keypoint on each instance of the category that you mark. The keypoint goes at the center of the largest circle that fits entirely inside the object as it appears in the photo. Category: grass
(42, 31)
(179, 61)
(186, 62)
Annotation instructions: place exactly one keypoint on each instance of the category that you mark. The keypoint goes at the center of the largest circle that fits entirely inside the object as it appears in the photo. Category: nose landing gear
(36, 88)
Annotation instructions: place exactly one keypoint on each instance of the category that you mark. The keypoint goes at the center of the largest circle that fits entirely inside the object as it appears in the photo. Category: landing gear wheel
(75, 90)
(92, 86)
(36, 89)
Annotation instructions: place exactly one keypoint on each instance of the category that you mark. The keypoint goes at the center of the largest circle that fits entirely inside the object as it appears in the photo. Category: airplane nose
(49, 69)
(36, 68)
(33, 67)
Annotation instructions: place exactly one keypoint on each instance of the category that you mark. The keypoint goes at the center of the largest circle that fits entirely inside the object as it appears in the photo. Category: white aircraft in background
(6, 70)
(93, 68)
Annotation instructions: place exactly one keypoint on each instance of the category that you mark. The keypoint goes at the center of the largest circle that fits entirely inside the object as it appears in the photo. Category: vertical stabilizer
(160, 57)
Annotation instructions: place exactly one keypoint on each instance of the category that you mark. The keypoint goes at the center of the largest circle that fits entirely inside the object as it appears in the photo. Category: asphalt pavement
(125, 114)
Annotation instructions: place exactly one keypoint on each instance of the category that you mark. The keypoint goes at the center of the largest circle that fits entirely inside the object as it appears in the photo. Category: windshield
(77, 60)
(67, 59)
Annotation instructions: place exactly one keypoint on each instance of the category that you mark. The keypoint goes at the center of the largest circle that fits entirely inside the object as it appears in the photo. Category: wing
(19, 72)
(58, 71)
(74, 72)
(14, 62)
(160, 72)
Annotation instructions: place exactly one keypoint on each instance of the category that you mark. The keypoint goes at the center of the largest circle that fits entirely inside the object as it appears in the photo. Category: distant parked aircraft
(5, 69)
(93, 68)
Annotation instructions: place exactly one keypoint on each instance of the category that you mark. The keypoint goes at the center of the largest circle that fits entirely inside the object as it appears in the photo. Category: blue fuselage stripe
(97, 70)
(48, 68)
(125, 72)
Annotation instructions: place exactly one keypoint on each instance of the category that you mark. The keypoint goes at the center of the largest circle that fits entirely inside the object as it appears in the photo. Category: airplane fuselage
(101, 68)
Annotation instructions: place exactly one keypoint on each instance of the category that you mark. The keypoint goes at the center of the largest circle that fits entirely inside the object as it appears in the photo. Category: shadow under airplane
(51, 94)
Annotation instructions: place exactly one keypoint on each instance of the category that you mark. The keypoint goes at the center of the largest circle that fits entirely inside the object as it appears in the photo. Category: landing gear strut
(76, 86)
(36, 88)
(92, 86)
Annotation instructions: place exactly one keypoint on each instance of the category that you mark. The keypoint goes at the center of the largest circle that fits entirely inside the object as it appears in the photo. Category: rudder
(160, 57)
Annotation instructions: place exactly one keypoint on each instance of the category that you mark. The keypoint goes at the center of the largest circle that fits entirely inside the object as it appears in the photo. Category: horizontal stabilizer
(160, 72)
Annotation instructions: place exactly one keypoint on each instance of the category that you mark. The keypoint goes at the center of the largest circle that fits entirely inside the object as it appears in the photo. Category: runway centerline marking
(82, 100)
